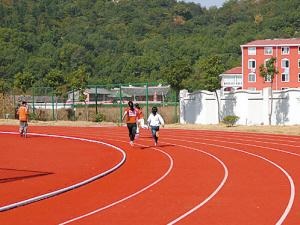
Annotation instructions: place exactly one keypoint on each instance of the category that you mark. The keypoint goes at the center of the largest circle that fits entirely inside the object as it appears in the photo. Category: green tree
(207, 76)
(268, 72)
(55, 80)
(4, 86)
(78, 80)
(24, 81)
(176, 72)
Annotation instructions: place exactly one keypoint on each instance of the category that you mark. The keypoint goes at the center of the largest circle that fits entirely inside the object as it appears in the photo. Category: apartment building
(287, 54)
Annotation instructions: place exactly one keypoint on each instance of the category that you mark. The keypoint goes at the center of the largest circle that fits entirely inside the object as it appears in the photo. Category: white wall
(253, 107)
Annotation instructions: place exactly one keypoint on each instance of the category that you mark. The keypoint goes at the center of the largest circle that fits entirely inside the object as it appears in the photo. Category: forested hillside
(53, 42)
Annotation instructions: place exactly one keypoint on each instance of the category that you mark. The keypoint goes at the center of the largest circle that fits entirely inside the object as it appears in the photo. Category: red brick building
(287, 53)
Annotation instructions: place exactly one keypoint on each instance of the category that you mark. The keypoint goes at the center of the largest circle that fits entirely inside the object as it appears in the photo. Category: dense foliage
(48, 42)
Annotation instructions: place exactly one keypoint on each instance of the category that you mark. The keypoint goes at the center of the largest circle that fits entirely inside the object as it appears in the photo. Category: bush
(230, 120)
(99, 117)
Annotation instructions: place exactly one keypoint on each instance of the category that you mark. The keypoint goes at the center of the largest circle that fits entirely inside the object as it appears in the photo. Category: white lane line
(129, 196)
(292, 185)
(60, 191)
(215, 192)
(256, 136)
(259, 146)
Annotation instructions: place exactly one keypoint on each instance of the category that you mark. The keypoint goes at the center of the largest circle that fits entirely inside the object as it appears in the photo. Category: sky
(207, 3)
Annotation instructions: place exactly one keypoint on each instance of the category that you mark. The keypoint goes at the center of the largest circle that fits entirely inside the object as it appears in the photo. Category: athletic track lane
(258, 189)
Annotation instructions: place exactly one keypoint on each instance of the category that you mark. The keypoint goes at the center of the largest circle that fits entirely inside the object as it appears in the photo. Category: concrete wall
(253, 107)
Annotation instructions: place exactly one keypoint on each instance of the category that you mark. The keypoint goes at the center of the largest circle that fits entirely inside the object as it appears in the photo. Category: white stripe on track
(255, 136)
(77, 185)
(222, 183)
(259, 146)
(215, 192)
(292, 185)
(129, 196)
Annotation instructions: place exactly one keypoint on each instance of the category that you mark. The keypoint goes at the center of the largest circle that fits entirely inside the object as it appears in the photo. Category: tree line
(68, 44)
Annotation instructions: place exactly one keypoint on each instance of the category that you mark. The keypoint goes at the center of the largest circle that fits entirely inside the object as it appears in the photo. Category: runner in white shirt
(154, 122)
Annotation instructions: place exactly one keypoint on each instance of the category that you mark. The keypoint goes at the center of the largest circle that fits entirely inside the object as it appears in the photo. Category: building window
(298, 77)
(298, 63)
(252, 77)
(285, 77)
(285, 63)
(285, 50)
(268, 50)
(252, 51)
(298, 49)
(251, 64)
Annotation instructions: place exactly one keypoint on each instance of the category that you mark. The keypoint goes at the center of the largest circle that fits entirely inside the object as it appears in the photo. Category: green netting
(95, 103)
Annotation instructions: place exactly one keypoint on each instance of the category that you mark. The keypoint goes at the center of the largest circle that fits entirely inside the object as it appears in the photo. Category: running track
(192, 177)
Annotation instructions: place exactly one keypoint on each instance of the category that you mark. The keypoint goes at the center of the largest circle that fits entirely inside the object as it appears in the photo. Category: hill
(49, 42)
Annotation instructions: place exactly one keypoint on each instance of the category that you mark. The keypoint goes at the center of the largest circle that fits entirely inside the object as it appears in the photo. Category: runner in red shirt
(131, 115)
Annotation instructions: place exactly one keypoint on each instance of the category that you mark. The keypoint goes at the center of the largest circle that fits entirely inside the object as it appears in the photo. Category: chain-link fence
(96, 103)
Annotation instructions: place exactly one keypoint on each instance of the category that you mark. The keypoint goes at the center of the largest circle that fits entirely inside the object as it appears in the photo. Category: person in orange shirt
(23, 113)
(131, 115)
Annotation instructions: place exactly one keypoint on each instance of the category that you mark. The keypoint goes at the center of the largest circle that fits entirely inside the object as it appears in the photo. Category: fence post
(14, 104)
(96, 101)
(121, 110)
(73, 104)
(147, 99)
(52, 99)
(33, 109)
(175, 113)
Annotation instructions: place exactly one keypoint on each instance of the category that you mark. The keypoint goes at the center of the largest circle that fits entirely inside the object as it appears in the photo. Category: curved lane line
(129, 196)
(147, 187)
(212, 194)
(239, 143)
(255, 136)
(77, 185)
(292, 185)
(239, 133)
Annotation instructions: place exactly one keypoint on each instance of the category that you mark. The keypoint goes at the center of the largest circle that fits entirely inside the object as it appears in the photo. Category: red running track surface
(191, 177)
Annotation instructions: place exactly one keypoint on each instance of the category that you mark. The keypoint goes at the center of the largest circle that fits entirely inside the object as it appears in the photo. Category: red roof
(235, 70)
(274, 42)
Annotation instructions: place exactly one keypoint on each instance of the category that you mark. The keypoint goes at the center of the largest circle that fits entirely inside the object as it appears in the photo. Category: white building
(232, 79)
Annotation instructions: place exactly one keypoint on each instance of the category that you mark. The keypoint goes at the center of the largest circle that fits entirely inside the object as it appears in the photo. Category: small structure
(232, 79)
(112, 95)
(154, 93)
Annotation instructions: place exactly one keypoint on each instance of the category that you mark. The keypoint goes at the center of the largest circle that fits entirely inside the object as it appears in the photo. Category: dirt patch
(288, 130)
(58, 123)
